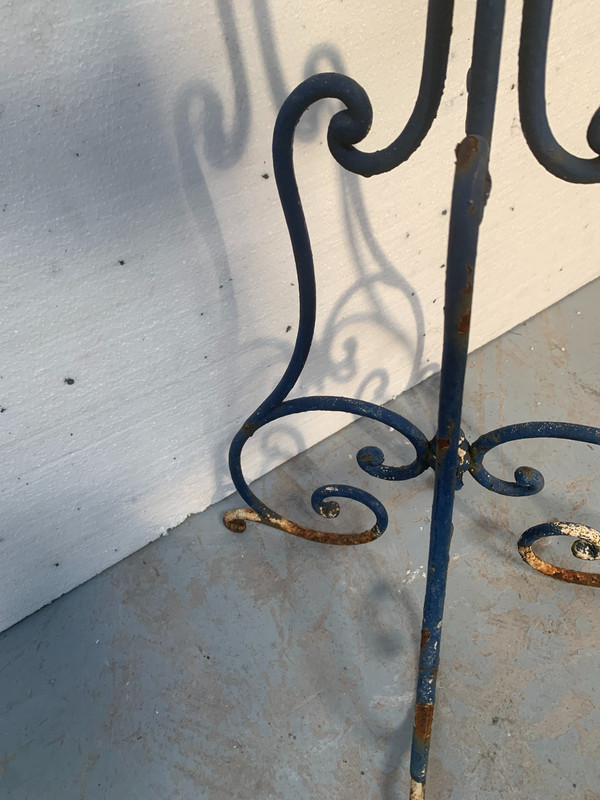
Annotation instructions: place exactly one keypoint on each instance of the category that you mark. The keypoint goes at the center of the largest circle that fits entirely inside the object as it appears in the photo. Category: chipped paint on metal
(417, 790)
(588, 542)
(585, 550)
(235, 521)
(465, 322)
(465, 154)
(464, 459)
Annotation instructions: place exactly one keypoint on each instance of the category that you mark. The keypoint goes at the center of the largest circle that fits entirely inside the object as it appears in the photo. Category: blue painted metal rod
(482, 81)
(468, 201)
(467, 205)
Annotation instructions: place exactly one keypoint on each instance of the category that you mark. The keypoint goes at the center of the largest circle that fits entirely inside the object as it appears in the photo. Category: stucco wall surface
(147, 285)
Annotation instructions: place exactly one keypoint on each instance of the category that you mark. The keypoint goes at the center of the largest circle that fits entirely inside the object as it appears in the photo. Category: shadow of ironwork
(203, 138)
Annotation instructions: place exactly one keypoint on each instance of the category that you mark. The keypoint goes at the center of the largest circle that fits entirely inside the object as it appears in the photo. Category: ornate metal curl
(369, 459)
(533, 51)
(586, 547)
(448, 453)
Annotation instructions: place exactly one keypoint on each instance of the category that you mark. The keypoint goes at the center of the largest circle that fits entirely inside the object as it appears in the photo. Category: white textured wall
(144, 254)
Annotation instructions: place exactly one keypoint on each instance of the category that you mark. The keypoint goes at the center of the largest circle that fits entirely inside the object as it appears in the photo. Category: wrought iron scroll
(449, 454)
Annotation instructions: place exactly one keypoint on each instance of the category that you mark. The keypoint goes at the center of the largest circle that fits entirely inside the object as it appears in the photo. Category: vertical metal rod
(469, 195)
(485, 63)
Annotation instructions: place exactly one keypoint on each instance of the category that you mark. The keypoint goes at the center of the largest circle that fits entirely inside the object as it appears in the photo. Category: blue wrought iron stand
(448, 454)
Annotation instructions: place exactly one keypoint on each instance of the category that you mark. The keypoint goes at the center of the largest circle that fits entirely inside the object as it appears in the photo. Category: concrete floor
(255, 666)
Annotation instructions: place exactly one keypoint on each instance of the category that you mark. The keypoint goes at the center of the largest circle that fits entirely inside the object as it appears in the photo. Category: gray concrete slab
(215, 665)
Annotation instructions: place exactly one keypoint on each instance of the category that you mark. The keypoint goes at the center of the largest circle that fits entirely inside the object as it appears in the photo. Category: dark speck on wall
(2, 410)
(288, 329)
(69, 381)
(121, 262)
(266, 175)
(444, 212)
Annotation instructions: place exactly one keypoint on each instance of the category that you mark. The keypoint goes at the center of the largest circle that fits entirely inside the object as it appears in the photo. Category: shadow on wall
(102, 279)
(201, 137)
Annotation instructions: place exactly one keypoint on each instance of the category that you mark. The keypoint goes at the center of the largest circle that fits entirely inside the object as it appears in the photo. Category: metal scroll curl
(533, 51)
(322, 498)
(530, 481)
(586, 547)
(527, 479)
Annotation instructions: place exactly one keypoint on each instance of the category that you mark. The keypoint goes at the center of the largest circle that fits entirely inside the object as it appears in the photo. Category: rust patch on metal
(250, 429)
(423, 720)
(235, 521)
(443, 444)
(465, 151)
(586, 545)
(529, 473)
(233, 524)
(465, 322)
(468, 290)
(560, 573)
(369, 458)
(425, 634)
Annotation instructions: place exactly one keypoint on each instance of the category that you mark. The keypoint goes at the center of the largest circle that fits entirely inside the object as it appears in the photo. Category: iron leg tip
(417, 790)
(235, 520)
